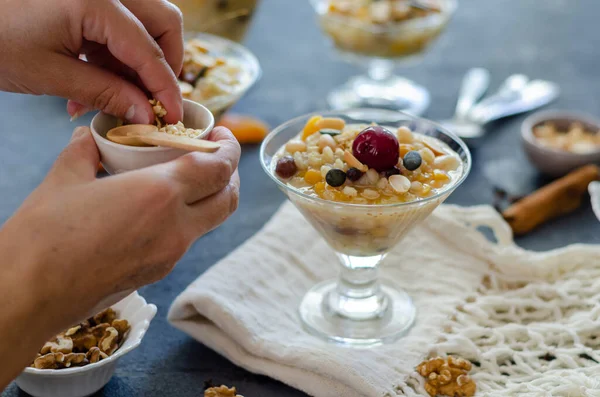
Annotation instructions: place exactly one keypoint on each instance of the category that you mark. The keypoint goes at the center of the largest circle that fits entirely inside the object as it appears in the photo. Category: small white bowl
(86, 380)
(117, 158)
(555, 162)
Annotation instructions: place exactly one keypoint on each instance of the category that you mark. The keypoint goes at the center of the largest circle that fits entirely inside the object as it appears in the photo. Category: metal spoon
(474, 85)
(515, 96)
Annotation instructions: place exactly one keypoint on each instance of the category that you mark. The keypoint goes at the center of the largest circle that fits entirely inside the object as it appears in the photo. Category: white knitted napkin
(529, 321)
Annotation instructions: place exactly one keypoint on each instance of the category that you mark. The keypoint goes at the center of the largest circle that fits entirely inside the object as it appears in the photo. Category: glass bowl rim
(249, 62)
(467, 163)
(437, 19)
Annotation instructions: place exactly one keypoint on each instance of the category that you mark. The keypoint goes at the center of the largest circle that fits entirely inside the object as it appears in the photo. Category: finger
(78, 162)
(211, 212)
(112, 23)
(97, 88)
(164, 21)
(76, 110)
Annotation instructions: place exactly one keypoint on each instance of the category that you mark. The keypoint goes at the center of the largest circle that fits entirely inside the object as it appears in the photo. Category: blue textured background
(552, 39)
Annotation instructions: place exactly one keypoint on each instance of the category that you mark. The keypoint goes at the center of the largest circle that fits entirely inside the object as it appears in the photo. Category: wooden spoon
(129, 134)
(148, 135)
(179, 142)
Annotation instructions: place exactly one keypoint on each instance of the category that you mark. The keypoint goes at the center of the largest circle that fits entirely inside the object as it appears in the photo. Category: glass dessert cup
(239, 56)
(359, 309)
(381, 48)
(226, 18)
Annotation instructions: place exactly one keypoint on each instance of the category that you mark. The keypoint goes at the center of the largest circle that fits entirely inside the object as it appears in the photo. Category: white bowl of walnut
(81, 360)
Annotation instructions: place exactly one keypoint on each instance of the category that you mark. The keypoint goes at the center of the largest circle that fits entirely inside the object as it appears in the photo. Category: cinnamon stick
(551, 201)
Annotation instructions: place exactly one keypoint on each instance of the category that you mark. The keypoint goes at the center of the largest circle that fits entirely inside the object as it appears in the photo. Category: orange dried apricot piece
(313, 176)
(310, 127)
(405, 148)
(246, 129)
(319, 188)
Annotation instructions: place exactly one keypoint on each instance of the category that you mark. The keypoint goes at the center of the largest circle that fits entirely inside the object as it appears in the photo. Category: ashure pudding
(368, 165)
(363, 178)
(207, 75)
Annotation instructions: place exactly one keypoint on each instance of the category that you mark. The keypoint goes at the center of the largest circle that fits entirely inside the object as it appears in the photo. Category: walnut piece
(60, 344)
(109, 342)
(447, 377)
(105, 316)
(95, 354)
(88, 342)
(221, 391)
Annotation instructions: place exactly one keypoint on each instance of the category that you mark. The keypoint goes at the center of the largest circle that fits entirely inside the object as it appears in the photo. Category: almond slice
(353, 162)
(399, 183)
(435, 148)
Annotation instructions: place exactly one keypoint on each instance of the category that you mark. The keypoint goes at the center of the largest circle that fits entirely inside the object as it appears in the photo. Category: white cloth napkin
(245, 308)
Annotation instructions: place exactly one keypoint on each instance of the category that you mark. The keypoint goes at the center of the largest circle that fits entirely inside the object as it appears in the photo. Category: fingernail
(78, 132)
(76, 116)
(76, 110)
(130, 113)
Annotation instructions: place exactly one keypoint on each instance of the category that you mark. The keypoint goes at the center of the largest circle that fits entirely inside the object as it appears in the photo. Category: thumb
(78, 162)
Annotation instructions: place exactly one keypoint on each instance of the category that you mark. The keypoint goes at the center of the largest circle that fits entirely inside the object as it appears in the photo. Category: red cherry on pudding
(377, 148)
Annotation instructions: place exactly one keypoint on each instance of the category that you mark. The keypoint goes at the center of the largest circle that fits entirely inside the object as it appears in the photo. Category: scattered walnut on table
(447, 377)
(88, 342)
(221, 391)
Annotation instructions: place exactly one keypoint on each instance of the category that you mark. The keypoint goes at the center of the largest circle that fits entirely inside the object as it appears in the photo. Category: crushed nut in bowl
(82, 359)
(93, 340)
(560, 141)
(572, 136)
(117, 158)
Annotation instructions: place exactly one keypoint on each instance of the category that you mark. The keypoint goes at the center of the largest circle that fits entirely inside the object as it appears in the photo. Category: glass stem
(358, 295)
(380, 69)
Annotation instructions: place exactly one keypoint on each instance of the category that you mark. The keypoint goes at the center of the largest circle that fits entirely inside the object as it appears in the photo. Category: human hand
(134, 47)
(77, 240)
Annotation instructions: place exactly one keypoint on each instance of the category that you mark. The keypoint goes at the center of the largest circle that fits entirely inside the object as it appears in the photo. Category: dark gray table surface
(556, 40)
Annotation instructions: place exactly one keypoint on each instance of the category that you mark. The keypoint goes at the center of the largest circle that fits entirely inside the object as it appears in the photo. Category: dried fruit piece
(246, 129)
(332, 123)
(354, 174)
(313, 176)
(311, 127)
(412, 160)
(377, 148)
(335, 177)
(286, 167)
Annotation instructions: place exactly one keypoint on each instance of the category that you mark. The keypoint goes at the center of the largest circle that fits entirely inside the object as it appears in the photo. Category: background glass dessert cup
(226, 18)
(217, 72)
(360, 309)
(382, 34)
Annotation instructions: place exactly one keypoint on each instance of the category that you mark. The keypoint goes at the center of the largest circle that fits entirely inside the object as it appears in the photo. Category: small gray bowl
(555, 162)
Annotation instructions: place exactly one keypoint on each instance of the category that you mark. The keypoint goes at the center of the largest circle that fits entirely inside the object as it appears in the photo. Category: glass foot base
(395, 93)
(391, 324)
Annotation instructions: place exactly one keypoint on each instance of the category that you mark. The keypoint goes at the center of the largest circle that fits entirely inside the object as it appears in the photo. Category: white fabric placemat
(529, 321)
